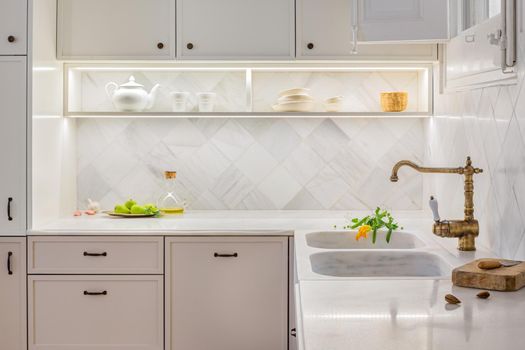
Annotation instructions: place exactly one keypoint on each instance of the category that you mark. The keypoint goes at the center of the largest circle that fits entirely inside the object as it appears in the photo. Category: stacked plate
(294, 100)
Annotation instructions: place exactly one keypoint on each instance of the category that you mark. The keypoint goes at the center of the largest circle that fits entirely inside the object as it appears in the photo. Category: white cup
(180, 101)
(206, 101)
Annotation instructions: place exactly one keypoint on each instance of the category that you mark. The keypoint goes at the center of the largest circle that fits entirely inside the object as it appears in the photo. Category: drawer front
(95, 255)
(227, 286)
(95, 312)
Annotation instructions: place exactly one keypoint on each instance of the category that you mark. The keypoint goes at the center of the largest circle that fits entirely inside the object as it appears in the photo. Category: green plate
(112, 213)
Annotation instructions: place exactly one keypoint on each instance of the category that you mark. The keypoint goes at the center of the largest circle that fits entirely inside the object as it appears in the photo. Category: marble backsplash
(252, 163)
(489, 125)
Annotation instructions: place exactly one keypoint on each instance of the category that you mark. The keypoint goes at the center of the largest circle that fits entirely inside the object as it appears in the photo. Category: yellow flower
(362, 232)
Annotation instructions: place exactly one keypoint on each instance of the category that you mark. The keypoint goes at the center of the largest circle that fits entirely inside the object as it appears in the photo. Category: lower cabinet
(226, 293)
(95, 312)
(13, 293)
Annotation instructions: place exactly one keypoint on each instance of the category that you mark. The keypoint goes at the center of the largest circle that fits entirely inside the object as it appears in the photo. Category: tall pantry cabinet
(13, 165)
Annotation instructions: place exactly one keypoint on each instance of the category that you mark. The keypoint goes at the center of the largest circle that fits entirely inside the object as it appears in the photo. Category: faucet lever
(433, 203)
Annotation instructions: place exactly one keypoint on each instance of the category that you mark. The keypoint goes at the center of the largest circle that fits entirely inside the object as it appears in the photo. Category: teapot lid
(131, 83)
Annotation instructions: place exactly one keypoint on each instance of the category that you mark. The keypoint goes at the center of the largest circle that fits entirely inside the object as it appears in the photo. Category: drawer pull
(9, 270)
(105, 292)
(95, 254)
(217, 255)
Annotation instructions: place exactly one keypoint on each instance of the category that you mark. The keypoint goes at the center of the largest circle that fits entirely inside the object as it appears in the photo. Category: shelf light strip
(222, 69)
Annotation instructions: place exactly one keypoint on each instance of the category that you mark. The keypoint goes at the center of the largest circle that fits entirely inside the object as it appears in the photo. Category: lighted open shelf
(250, 89)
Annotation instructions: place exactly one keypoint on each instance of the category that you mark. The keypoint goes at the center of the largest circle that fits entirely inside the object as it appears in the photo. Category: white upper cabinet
(235, 29)
(116, 29)
(13, 27)
(402, 20)
(13, 145)
(324, 31)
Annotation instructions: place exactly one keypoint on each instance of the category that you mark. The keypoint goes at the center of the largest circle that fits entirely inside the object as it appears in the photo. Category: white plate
(294, 91)
(295, 98)
(294, 107)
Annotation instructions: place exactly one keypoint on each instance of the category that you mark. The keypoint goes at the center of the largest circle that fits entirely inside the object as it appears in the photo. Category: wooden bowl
(394, 101)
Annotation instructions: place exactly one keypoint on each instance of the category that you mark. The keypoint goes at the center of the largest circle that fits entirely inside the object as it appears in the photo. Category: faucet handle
(433, 203)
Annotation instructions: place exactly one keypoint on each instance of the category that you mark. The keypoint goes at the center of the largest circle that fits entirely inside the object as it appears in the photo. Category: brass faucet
(465, 230)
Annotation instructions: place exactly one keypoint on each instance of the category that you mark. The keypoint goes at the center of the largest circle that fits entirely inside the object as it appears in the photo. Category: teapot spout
(152, 95)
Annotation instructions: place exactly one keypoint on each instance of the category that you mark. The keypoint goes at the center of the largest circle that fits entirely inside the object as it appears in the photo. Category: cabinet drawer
(95, 255)
(95, 312)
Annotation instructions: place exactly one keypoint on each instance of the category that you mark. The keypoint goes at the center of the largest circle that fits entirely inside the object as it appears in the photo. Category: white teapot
(131, 96)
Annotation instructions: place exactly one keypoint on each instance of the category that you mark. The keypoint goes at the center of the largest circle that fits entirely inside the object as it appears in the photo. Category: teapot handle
(110, 88)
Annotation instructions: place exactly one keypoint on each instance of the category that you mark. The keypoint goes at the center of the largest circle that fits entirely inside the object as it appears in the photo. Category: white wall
(53, 153)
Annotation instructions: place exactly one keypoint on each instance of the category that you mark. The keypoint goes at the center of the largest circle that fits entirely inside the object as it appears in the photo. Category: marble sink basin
(346, 240)
(379, 264)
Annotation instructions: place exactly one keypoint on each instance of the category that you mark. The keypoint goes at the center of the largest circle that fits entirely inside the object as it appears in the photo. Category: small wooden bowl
(394, 101)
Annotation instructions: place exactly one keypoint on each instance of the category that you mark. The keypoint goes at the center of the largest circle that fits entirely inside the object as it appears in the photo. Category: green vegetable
(130, 203)
(121, 209)
(379, 219)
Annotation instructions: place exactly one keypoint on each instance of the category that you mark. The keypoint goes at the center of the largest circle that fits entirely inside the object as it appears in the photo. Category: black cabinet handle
(11, 39)
(9, 270)
(160, 46)
(310, 46)
(217, 255)
(104, 292)
(95, 254)
(189, 46)
(9, 201)
(293, 332)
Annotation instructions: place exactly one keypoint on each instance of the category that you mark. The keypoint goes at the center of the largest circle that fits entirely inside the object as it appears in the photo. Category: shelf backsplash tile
(251, 163)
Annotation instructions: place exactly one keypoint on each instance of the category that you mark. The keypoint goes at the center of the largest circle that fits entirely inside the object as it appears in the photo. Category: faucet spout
(398, 165)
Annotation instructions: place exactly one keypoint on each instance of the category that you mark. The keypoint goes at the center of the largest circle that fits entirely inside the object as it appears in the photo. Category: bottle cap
(170, 174)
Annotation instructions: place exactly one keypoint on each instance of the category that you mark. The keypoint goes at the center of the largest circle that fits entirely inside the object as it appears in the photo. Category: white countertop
(233, 222)
(400, 313)
(350, 313)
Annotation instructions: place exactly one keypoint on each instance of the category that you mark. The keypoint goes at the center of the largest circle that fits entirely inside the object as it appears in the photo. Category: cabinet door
(95, 312)
(401, 20)
(12, 293)
(119, 29)
(236, 29)
(324, 31)
(13, 145)
(227, 293)
(13, 27)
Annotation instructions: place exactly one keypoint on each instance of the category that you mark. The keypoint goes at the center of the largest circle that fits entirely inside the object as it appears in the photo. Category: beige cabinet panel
(13, 27)
(13, 293)
(96, 255)
(95, 312)
(227, 293)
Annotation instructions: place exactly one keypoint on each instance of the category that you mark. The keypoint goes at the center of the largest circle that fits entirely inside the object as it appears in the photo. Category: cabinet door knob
(310, 46)
(160, 46)
(9, 269)
(189, 46)
(9, 201)
(293, 332)
(11, 39)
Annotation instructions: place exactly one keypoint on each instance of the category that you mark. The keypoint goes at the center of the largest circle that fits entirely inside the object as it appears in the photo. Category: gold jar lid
(170, 174)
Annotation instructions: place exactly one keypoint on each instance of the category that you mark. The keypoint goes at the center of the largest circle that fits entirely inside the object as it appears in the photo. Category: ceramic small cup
(179, 101)
(206, 101)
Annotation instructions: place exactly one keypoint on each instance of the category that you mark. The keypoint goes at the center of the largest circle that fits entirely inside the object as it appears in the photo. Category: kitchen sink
(379, 264)
(346, 240)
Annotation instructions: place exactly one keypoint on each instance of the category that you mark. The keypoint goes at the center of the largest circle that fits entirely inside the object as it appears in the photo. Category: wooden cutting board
(505, 279)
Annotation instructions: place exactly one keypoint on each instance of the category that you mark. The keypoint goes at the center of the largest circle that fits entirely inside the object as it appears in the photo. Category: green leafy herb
(379, 219)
